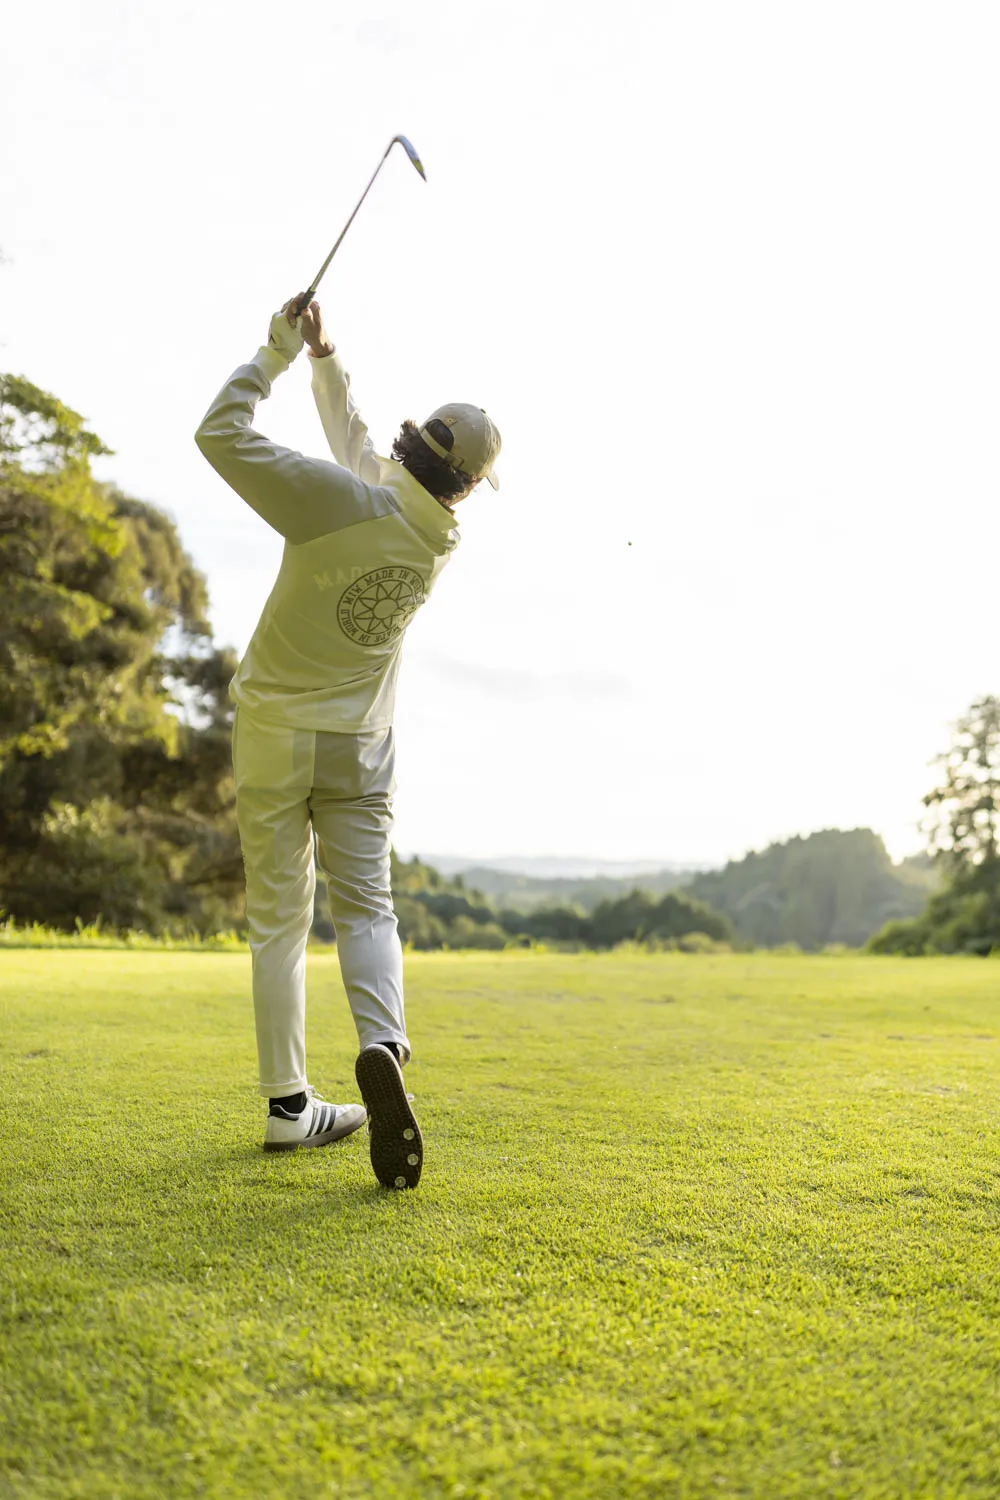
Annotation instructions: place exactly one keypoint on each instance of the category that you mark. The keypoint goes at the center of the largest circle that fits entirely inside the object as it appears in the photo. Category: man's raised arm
(302, 498)
(346, 430)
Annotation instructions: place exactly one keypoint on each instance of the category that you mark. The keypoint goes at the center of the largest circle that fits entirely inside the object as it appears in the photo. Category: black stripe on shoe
(397, 1148)
(327, 1123)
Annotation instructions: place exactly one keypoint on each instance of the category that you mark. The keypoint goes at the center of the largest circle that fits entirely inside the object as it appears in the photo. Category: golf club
(307, 296)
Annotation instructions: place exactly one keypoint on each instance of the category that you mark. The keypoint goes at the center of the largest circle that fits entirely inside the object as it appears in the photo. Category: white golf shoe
(318, 1124)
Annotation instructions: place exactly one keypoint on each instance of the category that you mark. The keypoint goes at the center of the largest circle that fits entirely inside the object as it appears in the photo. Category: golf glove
(283, 338)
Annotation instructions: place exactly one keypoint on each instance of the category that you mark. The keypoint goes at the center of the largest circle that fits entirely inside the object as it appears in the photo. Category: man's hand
(311, 327)
(284, 336)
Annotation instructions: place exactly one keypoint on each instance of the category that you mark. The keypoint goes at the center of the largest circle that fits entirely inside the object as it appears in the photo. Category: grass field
(689, 1226)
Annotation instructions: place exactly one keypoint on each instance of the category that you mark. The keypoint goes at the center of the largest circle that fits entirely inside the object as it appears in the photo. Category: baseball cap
(464, 437)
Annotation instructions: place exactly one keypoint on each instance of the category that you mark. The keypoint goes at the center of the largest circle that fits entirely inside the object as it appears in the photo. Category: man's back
(326, 652)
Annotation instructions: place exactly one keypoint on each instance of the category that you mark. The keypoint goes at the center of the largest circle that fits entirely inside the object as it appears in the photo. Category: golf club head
(411, 153)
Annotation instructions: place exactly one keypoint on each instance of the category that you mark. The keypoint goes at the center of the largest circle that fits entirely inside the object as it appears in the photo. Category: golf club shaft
(308, 295)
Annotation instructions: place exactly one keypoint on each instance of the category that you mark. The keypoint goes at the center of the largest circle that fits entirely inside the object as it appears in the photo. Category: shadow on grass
(219, 1178)
(236, 1196)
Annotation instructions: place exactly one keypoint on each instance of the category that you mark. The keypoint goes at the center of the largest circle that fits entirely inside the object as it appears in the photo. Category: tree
(964, 822)
(116, 797)
(679, 915)
(962, 830)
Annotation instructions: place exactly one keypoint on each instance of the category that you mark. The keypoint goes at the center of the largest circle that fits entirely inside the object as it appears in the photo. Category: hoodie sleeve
(345, 428)
(302, 498)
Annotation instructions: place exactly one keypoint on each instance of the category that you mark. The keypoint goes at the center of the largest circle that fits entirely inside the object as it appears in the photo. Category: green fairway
(688, 1226)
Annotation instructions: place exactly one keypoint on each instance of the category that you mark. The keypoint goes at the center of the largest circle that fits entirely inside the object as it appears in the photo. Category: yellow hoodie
(364, 544)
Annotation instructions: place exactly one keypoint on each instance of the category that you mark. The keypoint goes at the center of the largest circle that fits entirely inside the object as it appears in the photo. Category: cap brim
(494, 481)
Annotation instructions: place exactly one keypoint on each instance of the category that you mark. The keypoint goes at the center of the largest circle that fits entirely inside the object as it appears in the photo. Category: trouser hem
(282, 1090)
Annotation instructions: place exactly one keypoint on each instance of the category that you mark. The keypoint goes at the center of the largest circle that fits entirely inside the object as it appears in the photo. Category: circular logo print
(380, 605)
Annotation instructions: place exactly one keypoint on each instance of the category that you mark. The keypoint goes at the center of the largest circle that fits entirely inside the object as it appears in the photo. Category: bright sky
(725, 275)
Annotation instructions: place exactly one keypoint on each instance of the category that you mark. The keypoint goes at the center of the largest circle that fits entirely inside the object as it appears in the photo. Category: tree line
(436, 912)
(831, 889)
(116, 794)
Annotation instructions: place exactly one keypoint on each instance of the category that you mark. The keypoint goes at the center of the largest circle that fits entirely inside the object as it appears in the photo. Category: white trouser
(290, 782)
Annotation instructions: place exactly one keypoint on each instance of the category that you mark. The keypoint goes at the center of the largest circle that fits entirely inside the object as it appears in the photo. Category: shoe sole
(397, 1147)
(338, 1133)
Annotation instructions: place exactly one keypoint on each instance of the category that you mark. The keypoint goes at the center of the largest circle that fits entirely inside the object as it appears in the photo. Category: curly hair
(427, 467)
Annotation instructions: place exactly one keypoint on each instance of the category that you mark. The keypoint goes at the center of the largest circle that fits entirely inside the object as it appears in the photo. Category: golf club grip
(303, 302)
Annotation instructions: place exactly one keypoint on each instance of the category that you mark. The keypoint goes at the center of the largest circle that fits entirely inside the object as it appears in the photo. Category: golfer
(365, 540)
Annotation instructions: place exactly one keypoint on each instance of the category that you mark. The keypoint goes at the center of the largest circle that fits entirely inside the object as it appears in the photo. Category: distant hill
(529, 892)
(835, 886)
(527, 882)
(555, 866)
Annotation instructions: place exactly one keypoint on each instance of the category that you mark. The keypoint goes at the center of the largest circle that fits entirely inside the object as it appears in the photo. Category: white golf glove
(283, 338)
